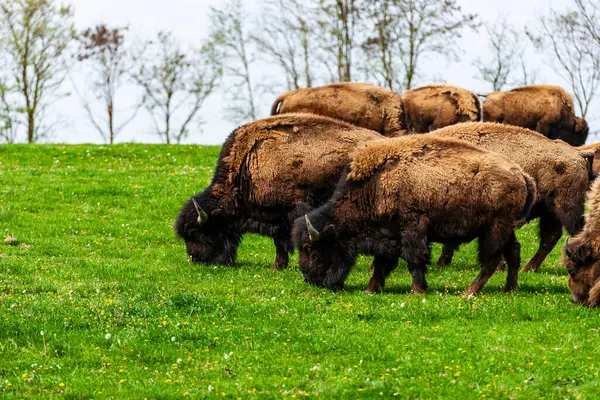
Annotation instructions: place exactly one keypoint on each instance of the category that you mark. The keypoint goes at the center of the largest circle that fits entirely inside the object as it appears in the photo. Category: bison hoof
(529, 268)
(509, 289)
(417, 291)
(279, 266)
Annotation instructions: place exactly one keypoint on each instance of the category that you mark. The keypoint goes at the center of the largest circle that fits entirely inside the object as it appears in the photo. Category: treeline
(300, 43)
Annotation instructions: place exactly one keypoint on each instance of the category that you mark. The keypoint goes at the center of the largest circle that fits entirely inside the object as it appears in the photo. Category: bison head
(210, 236)
(583, 265)
(324, 259)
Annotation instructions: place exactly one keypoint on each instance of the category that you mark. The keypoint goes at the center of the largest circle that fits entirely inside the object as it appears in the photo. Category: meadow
(99, 300)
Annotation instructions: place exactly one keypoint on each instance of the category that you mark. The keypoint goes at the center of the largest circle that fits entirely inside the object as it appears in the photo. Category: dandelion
(108, 336)
(172, 338)
(402, 305)
(273, 298)
(315, 368)
(61, 384)
(210, 388)
(423, 301)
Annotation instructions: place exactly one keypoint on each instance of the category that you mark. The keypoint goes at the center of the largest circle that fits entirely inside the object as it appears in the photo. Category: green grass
(96, 256)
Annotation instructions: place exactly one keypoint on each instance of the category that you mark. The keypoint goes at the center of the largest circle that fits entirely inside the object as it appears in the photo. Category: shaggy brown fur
(435, 106)
(582, 255)
(269, 172)
(367, 106)
(546, 109)
(595, 150)
(400, 194)
(559, 170)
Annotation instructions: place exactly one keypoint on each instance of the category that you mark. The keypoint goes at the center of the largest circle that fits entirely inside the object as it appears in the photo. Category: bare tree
(175, 83)
(230, 36)
(380, 59)
(103, 50)
(36, 35)
(288, 42)
(567, 39)
(507, 48)
(9, 120)
(338, 21)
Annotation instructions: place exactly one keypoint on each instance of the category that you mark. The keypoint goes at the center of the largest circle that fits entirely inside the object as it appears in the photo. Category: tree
(381, 63)
(288, 42)
(337, 21)
(508, 58)
(568, 39)
(36, 35)
(409, 30)
(103, 49)
(230, 37)
(175, 83)
(9, 121)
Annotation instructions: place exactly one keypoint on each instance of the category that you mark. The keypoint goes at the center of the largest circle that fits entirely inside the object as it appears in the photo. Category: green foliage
(94, 264)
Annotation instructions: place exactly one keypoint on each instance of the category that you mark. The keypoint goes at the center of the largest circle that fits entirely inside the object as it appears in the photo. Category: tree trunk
(30, 126)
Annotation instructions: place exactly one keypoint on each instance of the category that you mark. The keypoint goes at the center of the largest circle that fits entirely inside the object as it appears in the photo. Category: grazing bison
(398, 195)
(435, 106)
(560, 171)
(367, 106)
(548, 110)
(269, 172)
(582, 255)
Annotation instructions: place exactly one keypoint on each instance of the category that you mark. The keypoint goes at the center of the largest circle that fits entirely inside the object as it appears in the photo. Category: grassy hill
(99, 300)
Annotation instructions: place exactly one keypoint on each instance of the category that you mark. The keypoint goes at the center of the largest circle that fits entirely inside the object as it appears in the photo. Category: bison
(398, 195)
(546, 109)
(582, 255)
(367, 106)
(436, 106)
(268, 173)
(561, 172)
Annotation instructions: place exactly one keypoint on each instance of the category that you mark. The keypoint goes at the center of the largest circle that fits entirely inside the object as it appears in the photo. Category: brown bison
(548, 110)
(367, 106)
(582, 255)
(560, 171)
(269, 172)
(436, 106)
(398, 195)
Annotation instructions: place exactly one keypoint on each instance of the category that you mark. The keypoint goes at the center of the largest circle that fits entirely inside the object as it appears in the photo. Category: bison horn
(313, 234)
(202, 216)
(567, 250)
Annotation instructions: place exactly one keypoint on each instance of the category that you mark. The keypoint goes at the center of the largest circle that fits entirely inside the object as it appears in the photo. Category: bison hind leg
(550, 234)
(512, 255)
(491, 247)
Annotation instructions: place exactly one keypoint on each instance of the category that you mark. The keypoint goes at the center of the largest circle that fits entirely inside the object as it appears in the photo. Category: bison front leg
(382, 267)
(550, 234)
(283, 247)
(447, 255)
(418, 273)
(512, 255)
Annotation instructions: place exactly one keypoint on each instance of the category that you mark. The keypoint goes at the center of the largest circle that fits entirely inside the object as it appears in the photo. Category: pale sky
(188, 20)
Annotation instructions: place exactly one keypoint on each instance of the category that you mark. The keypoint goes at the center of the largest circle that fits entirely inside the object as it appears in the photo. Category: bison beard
(352, 223)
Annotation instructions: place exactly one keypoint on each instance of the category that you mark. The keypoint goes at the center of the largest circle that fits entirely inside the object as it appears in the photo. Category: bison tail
(531, 198)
